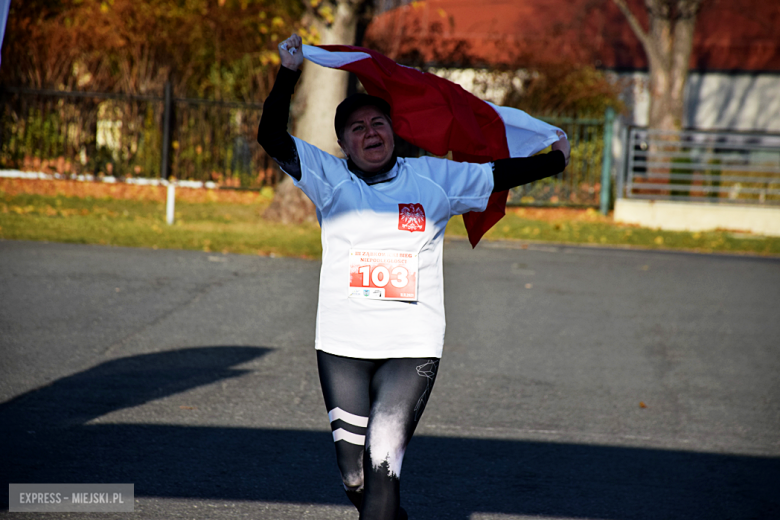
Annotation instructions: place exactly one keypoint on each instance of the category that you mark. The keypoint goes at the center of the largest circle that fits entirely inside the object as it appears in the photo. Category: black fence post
(166, 131)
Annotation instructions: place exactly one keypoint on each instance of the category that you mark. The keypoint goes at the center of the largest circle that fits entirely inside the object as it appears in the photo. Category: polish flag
(440, 116)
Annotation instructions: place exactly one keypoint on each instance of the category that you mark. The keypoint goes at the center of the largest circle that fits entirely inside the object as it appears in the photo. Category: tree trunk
(314, 109)
(681, 57)
(668, 45)
(659, 60)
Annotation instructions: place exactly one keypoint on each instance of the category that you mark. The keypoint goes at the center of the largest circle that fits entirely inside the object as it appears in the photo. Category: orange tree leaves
(208, 48)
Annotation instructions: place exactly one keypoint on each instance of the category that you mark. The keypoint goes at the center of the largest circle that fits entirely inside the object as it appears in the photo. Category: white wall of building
(484, 83)
(716, 101)
(734, 101)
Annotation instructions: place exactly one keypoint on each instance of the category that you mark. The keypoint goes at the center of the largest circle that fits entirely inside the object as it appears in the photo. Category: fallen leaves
(100, 190)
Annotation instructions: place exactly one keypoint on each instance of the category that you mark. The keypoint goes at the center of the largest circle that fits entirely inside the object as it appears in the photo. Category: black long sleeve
(516, 171)
(272, 132)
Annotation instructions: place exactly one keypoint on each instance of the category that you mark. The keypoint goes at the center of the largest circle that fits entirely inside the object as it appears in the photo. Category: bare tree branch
(640, 33)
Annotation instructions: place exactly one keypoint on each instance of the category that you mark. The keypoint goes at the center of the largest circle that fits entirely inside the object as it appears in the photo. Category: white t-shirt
(405, 217)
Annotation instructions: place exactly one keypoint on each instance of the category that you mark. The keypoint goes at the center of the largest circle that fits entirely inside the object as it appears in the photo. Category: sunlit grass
(591, 228)
(232, 227)
(211, 226)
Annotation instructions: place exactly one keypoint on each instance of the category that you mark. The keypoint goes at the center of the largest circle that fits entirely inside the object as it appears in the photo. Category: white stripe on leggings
(353, 438)
(355, 420)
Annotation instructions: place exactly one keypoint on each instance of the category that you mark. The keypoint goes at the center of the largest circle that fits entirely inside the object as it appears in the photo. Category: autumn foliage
(219, 49)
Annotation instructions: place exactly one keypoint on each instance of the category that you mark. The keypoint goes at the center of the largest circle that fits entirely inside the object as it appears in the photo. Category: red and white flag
(440, 116)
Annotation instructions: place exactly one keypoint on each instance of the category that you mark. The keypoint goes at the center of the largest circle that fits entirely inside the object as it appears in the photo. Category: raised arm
(516, 171)
(272, 132)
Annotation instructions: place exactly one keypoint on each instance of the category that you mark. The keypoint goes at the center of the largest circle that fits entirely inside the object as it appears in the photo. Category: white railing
(701, 166)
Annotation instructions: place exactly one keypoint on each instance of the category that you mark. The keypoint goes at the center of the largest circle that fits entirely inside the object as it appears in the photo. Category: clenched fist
(291, 52)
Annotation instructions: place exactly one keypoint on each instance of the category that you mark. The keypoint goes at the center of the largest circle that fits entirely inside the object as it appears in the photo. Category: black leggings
(374, 406)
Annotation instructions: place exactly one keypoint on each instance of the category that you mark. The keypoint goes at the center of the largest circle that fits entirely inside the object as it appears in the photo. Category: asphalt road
(192, 375)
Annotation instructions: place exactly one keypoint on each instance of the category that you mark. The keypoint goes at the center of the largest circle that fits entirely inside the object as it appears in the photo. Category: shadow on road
(444, 477)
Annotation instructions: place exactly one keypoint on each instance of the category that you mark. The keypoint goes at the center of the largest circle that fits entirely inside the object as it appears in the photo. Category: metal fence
(580, 184)
(702, 166)
(124, 135)
(119, 135)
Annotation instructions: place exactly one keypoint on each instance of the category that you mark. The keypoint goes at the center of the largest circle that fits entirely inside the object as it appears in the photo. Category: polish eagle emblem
(411, 217)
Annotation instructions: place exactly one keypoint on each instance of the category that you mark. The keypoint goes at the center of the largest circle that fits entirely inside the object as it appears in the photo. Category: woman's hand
(562, 144)
(291, 52)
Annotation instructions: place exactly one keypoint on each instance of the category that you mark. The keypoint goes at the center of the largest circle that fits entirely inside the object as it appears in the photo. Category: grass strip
(212, 226)
(588, 227)
(237, 226)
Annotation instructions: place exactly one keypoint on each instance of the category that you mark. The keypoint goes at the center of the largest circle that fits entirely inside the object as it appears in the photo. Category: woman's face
(368, 139)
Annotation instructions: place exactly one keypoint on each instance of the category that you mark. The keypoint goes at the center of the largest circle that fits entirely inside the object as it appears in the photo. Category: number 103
(380, 276)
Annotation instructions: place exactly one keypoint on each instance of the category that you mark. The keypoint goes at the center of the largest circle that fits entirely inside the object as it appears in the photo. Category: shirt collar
(387, 173)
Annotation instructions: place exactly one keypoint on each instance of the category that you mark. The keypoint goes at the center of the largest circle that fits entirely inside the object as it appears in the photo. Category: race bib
(383, 274)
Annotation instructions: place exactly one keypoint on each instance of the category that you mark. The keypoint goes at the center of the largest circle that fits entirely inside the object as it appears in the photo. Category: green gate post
(606, 161)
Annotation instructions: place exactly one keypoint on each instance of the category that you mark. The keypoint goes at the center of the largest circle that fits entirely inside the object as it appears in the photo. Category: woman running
(380, 315)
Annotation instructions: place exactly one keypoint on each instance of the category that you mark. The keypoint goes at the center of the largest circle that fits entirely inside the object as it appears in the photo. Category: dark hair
(352, 103)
